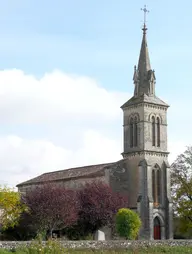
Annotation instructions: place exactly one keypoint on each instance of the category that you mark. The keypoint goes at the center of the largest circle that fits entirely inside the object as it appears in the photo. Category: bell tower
(145, 149)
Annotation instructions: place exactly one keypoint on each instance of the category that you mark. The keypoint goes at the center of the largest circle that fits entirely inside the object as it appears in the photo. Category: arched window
(153, 186)
(135, 131)
(131, 132)
(153, 131)
(158, 186)
(158, 132)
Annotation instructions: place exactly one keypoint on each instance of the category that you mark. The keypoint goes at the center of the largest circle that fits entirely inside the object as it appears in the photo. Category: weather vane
(145, 12)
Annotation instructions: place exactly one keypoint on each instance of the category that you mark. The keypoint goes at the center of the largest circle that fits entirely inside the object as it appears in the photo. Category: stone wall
(73, 183)
(104, 244)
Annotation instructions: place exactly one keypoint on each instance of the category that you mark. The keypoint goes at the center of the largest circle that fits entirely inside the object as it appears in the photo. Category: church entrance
(157, 229)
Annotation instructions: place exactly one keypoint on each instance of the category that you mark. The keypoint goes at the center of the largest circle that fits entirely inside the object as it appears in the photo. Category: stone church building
(143, 174)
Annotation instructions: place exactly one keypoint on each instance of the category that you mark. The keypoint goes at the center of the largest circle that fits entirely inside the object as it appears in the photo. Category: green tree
(128, 223)
(11, 207)
(181, 188)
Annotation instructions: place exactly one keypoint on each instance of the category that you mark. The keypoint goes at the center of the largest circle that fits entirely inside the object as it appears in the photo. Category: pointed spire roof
(144, 77)
(144, 61)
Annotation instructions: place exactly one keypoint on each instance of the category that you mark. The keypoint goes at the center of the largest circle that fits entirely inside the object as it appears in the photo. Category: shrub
(38, 246)
(127, 223)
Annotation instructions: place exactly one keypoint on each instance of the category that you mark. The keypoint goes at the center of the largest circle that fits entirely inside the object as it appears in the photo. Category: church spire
(144, 61)
(144, 77)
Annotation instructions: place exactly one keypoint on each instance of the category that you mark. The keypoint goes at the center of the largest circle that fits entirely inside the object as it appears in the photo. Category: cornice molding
(148, 105)
(147, 153)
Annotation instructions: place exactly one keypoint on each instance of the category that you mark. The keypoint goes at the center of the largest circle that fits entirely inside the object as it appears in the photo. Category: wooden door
(157, 229)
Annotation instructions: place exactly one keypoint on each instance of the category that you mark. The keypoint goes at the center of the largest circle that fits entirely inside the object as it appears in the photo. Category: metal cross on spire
(145, 14)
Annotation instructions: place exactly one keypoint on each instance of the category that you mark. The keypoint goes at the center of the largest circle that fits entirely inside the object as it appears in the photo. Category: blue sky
(95, 38)
(100, 40)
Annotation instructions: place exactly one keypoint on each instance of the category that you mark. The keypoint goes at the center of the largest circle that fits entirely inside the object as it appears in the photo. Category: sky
(66, 67)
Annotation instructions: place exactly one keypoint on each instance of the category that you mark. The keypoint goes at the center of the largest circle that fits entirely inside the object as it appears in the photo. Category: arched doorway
(157, 229)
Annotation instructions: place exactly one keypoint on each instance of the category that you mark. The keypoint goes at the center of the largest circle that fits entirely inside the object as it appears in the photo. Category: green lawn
(157, 250)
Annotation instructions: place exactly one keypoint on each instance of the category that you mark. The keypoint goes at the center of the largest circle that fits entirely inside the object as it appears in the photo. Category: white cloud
(21, 159)
(176, 148)
(54, 98)
(26, 99)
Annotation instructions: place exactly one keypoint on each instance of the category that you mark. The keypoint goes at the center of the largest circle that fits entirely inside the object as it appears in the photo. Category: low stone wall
(118, 244)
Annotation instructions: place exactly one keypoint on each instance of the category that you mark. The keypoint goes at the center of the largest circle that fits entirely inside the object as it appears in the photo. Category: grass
(150, 250)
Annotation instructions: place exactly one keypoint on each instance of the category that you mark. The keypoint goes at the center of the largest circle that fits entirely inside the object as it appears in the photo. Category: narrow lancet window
(131, 132)
(158, 186)
(153, 131)
(153, 186)
(158, 132)
(135, 132)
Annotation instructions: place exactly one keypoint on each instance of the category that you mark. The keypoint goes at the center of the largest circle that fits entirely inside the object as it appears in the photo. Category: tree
(98, 206)
(52, 207)
(181, 188)
(23, 231)
(11, 207)
(128, 223)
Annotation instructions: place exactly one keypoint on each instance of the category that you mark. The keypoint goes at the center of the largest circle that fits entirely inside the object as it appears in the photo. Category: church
(143, 174)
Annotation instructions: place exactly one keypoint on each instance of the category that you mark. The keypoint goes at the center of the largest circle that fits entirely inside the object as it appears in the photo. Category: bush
(128, 223)
(98, 207)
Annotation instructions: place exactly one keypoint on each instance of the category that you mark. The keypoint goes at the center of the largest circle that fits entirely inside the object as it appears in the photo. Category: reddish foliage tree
(98, 205)
(52, 207)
